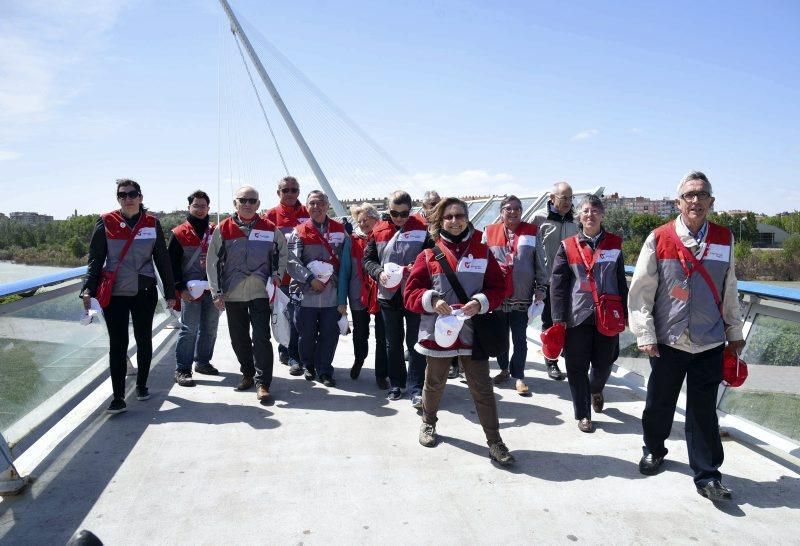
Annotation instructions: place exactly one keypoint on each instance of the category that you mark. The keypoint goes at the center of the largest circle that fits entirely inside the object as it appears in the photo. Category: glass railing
(46, 354)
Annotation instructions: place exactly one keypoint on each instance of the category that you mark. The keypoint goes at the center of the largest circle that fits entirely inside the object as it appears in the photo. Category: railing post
(11, 483)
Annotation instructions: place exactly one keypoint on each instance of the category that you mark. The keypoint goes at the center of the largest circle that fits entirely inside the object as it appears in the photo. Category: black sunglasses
(133, 194)
(247, 200)
(399, 213)
(290, 190)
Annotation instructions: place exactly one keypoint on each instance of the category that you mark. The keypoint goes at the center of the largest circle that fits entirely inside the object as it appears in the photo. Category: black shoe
(296, 368)
(715, 491)
(650, 465)
(246, 383)
(553, 372)
(327, 380)
(206, 369)
(184, 379)
(499, 453)
(283, 358)
(586, 425)
(355, 371)
(598, 402)
(117, 405)
(383, 383)
(142, 393)
(453, 373)
(310, 374)
(395, 393)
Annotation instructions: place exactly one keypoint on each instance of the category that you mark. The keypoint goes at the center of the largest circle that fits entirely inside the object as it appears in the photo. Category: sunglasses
(290, 190)
(133, 194)
(453, 217)
(399, 213)
(247, 200)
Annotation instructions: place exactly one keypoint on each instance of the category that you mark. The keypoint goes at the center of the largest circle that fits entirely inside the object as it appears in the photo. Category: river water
(10, 272)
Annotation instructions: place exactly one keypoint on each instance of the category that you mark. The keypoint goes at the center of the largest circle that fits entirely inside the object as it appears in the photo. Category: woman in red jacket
(429, 293)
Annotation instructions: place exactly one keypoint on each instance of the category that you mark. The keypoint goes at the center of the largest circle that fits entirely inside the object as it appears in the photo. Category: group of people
(408, 271)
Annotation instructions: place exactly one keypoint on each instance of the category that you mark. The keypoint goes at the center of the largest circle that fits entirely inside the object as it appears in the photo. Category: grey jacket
(553, 228)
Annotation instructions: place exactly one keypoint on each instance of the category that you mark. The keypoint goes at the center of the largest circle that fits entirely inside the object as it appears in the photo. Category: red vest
(189, 241)
(286, 219)
(604, 271)
(517, 260)
(139, 258)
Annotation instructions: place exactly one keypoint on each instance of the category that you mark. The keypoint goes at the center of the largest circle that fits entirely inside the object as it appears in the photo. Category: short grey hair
(317, 193)
(593, 201)
(245, 189)
(430, 198)
(364, 208)
(695, 175)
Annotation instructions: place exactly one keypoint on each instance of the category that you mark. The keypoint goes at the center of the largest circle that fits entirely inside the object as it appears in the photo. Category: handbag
(490, 330)
(105, 285)
(608, 308)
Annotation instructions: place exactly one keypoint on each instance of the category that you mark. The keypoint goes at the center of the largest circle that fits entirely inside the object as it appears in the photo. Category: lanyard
(697, 265)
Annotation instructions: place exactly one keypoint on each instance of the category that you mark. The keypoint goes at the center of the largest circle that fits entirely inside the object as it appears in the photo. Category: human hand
(650, 349)
(471, 308)
(537, 297)
(317, 285)
(185, 295)
(737, 345)
(442, 307)
(219, 303)
(171, 303)
(342, 309)
(384, 278)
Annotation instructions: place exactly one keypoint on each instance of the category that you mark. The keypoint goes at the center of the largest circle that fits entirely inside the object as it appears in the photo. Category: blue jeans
(291, 351)
(199, 320)
(318, 336)
(517, 321)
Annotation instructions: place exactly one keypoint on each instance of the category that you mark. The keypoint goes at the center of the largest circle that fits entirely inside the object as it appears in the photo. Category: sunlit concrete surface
(208, 465)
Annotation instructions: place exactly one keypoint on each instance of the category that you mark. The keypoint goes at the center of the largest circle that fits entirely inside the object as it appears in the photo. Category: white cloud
(585, 135)
(6, 155)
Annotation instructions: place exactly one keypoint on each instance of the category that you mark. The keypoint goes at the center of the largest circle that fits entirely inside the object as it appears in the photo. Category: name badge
(262, 235)
(468, 264)
(719, 253)
(335, 238)
(146, 233)
(608, 255)
(413, 236)
(527, 240)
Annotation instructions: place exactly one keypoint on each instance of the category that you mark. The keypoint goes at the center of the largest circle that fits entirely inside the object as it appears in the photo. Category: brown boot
(245, 383)
(262, 393)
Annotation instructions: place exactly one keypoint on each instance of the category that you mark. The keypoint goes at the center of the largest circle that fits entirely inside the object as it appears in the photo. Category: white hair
(695, 175)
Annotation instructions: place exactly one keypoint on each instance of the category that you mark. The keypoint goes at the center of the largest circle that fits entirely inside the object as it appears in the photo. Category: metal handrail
(28, 286)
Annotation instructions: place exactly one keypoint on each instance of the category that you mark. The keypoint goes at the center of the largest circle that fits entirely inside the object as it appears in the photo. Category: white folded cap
(395, 273)
(535, 310)
(447, 329)
(344, 326)
(196, 288)
(323, 271)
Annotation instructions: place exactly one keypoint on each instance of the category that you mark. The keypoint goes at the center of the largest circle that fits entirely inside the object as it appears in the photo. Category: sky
(465, 97)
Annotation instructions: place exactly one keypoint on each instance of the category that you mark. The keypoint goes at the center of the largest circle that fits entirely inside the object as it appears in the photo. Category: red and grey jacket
(698, 313)
(399, 246)
(362, 286)
(607, 269)
(286, 219)
(312, 248)
(187, 237)
(477, 272)
(242, 256)
(139, 258)
(517, 258)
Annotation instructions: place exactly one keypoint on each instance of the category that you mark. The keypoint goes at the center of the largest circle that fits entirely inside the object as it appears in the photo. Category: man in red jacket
(286, 215)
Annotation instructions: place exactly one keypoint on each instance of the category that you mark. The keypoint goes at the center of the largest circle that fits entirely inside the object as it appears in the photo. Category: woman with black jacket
(134, 291)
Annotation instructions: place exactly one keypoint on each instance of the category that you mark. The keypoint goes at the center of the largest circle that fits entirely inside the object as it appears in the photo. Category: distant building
(31, 218)
(769, 236)
(664, 207)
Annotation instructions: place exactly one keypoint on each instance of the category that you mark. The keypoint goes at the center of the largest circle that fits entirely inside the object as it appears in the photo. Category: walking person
(319, 264)
(459, 255)
(188, 249)
(286, 215)
(589, 279)
(513, 244)
(684, 306)
(553, 227)
(129, 245)
(398, 242)
(363, 298)
(241, 261)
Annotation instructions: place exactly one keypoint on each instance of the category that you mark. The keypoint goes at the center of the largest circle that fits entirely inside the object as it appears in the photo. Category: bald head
(561, 197)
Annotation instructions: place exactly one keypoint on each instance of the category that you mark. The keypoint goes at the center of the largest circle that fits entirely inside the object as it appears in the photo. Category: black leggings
(141, 309)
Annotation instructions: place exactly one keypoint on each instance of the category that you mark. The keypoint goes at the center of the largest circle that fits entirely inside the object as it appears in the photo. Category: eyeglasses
(454, 217)
(512, 209)
(399, 213)
(563, 197)
(133, 194)
(591, 212)
(290, 190)
(247, 200)
(695, 196)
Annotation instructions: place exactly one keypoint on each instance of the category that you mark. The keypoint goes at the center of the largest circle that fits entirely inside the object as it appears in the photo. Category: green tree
(791, 247)
(77, 247)
(616, 221)
(642, 224)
